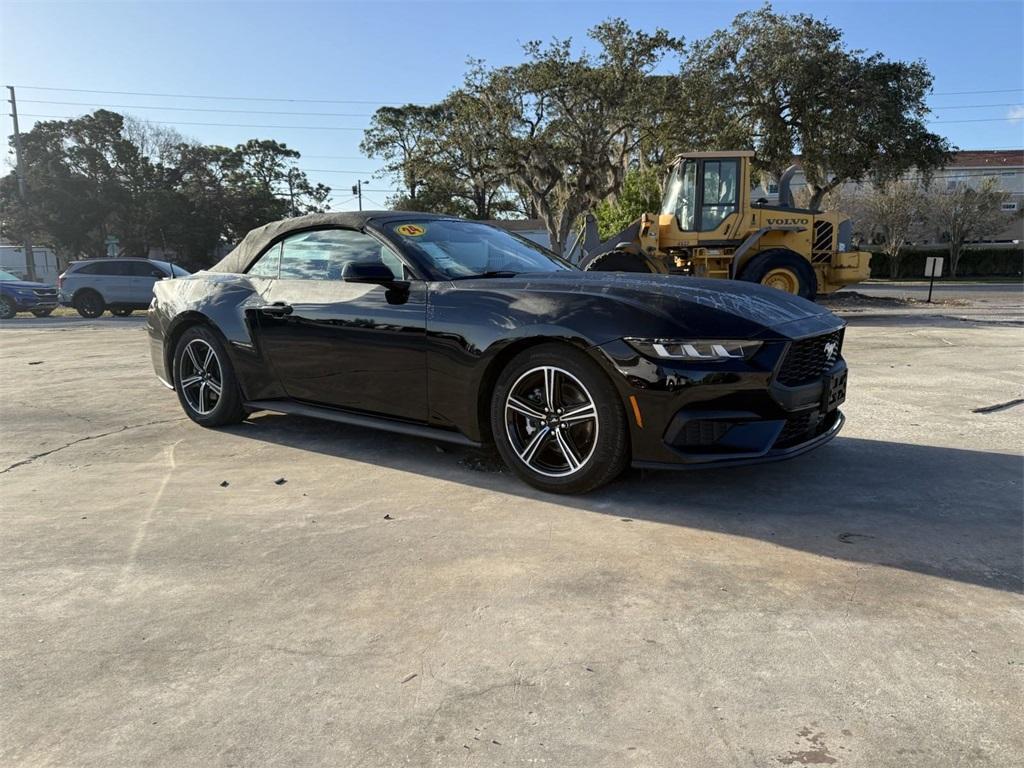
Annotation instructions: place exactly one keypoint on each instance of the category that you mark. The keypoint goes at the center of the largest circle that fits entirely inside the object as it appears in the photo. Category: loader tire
(618, 261)
(783, 270)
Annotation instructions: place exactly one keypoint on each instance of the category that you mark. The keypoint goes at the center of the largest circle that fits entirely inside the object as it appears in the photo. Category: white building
(968, 167)
(12, 259)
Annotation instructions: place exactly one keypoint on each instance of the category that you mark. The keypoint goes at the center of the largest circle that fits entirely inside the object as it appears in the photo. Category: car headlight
(696, 350)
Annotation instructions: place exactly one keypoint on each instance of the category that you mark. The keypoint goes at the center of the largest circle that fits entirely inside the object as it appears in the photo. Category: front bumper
(683, 415)
(774, 454)
(27, 302)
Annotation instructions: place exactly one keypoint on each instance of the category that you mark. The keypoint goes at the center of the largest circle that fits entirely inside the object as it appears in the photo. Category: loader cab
(706, 190)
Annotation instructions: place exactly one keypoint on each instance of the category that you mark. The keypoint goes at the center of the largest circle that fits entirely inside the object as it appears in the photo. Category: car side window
(106, 268)
(269, 264)
(118, 268)
(323, 254)
(145, 269)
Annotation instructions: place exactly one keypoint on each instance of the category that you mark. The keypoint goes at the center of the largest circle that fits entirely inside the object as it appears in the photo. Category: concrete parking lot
(295, 593)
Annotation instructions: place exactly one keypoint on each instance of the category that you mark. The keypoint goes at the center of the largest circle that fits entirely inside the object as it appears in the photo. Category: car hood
(23, 284)
(672, 296)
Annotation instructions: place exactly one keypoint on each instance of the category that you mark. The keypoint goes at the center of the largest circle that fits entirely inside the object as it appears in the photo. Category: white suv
(120, 285)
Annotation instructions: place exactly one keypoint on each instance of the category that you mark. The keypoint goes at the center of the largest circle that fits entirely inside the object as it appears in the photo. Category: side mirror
(367, 272)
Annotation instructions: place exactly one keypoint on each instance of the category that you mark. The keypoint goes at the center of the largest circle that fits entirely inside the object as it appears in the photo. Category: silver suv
(120, 285)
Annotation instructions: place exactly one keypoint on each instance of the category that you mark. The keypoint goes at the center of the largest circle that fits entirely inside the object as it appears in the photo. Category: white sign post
(932, 269)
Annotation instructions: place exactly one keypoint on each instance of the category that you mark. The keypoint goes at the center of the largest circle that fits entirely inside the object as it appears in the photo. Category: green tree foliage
(444, 159)
(567, 125)
(556, 132)
(104, 175)
(785, 85)
(641, 193)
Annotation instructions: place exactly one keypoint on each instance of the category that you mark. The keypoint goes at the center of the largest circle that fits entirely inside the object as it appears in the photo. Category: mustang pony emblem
(830, 350)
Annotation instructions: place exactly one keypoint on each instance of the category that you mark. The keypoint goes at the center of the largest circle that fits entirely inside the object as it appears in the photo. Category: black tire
(121, 311)
(89, 303)
(618, 261)
(599, 445)
(8, 309)
(762, 267)
(42, 312)
(199, 399)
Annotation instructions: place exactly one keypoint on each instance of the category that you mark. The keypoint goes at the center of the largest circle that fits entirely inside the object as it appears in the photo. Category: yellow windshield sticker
(410, 230)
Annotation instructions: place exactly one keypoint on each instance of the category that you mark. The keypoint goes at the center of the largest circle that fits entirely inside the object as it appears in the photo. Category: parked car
(120, 285)
(437, 326)
(17, 295)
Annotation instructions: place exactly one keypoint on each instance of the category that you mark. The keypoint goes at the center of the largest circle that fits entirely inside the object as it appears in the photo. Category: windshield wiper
(488, 273)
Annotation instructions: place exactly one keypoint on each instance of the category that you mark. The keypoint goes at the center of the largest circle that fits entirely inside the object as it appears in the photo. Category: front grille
(808, 359)
(796, 429)
(701, 432)
(45, 293)
(821, 250)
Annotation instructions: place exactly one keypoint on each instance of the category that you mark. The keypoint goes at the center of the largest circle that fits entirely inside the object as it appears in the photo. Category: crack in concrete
(998, 406)
(52, 451)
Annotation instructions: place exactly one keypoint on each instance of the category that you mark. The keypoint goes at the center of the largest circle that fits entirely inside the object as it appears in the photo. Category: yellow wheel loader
(710, 227)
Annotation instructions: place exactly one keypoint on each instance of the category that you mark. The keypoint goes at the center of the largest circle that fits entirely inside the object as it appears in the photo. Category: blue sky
(383, 52)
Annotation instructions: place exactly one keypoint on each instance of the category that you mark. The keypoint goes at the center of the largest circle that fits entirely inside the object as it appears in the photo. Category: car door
(350, 345)
(110, 277)
(144, 275)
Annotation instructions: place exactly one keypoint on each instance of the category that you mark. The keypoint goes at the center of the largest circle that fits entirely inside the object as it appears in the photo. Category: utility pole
(357, 190)
(30, 259)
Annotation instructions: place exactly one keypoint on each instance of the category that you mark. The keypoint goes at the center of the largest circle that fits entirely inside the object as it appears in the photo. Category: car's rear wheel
(204, 379)
(42, 312)
(557, 420)
(121, 311)
(7, 308)
(89, 303)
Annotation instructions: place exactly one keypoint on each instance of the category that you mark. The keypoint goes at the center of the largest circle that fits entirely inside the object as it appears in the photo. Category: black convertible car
(437, 326)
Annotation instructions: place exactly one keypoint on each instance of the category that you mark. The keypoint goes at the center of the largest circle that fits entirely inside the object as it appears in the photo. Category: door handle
(277, 309)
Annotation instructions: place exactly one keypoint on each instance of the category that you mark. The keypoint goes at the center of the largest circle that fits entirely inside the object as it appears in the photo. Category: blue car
(22, 296)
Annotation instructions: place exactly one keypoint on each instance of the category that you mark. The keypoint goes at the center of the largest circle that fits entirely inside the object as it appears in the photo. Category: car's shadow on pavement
(945, 512)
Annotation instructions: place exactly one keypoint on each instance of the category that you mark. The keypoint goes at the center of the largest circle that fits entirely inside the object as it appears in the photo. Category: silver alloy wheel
(551, 421)
(200, 377)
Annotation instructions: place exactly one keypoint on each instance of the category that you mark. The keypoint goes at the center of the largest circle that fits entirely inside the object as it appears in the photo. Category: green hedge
(974, 262)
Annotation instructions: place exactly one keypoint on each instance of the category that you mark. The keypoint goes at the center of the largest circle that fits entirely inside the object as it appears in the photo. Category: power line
(971, 93)
(214, 98)
(966, 106)
(349, 101)
(366, 197)
(332, 170)
(219, 125)
(343, 128)
(977, 120)
(203, 109)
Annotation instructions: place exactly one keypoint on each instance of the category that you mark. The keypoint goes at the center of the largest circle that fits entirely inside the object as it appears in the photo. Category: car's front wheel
(7, 308)
(558, 422)
(204, 379)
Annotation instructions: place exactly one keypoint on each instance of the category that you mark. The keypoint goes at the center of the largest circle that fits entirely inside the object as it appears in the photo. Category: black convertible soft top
(254, 243)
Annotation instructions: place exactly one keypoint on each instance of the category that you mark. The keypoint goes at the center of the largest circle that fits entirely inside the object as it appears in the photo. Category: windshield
(7, 276)
(681, 194)
(463, 249)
